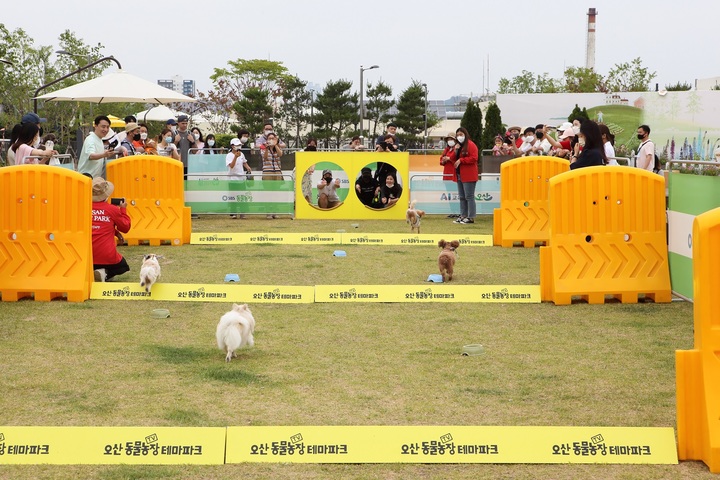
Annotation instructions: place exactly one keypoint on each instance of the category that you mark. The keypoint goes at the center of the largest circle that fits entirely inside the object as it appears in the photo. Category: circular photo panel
(378, 185)
(325, 185)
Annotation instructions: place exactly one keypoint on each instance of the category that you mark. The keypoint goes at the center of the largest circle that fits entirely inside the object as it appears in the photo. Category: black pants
(113, 270)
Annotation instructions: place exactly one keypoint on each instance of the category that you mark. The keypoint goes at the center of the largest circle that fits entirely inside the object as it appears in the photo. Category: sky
(456, 48)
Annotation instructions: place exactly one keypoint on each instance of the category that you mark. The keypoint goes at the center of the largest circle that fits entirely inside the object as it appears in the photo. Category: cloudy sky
(446, 45)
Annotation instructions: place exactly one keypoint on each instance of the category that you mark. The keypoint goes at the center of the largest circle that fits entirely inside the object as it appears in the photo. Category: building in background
(178, 84)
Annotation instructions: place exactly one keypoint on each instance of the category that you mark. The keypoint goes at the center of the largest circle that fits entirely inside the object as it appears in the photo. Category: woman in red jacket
(466, 175)
(447, 160)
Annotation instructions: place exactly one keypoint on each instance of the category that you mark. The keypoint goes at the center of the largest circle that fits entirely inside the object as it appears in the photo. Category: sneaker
(467, 220)
(270, 217)
(194, 216)
(233, 216)
(459, 219)
(100, 275)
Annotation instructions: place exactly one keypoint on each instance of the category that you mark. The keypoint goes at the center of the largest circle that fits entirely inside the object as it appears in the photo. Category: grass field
(108, 363)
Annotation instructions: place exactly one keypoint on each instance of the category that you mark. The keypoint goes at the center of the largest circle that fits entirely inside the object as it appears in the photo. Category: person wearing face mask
(390, 130)
(447, 160)
(271, 153)
(646, 151)
(131, 131)
(267, 130)
(166, 147)
(593, 152)
(210, 144)
(26, 146)
(529, 140)
(199, 145)
(30, 117)
(367, 188)
(466, 175)
(244, 136)
(327, 190)
(139, 138)
(542, 146)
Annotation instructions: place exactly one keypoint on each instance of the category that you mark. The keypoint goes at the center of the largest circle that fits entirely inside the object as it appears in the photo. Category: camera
(117, 201)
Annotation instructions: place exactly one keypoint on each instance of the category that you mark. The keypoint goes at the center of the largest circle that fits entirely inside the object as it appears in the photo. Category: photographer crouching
(109, 220)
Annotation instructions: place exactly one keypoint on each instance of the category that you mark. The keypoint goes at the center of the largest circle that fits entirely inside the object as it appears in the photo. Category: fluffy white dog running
(149, 271)
(235, 330)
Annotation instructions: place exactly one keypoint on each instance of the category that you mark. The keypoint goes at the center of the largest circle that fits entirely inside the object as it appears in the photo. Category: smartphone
(117, 201)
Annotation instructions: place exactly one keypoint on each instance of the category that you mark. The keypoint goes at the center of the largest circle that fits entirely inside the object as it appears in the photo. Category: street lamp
(362, 106)
(425, 118)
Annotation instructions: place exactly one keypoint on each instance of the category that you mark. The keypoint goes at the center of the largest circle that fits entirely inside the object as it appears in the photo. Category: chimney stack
(590, 53)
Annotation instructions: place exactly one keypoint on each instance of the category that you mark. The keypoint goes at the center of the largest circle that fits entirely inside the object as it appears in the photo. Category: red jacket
(468, 164)
(105, 217)
(448, 168)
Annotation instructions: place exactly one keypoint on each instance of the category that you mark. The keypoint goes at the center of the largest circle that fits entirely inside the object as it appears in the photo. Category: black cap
(365, 170)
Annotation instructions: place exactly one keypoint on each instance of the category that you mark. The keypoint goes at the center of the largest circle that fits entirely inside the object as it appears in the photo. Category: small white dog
(149, 271)
(235, 330)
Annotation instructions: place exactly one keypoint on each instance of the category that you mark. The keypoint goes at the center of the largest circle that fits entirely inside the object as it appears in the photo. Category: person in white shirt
(93, 153)
(236, 161)
(608, 141)
(646, 151)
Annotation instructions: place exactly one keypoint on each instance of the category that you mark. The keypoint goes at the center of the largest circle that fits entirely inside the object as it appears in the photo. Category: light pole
(312, 112)
(362, 106)
(425, 118)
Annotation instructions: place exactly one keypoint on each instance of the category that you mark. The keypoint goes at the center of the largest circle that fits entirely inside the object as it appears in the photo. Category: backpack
(657, 167)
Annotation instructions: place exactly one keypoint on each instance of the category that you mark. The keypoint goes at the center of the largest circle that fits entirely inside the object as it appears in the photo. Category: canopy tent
(116, 122)
(116, 87)
(159, 113)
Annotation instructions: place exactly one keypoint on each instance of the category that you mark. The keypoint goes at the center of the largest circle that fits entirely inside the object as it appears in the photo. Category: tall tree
(578, 114)
(582, 80)
(409, 119)
(295, 107)
(630, 77)
(493, 126)
(379, 102)
(337, 109)
(253, 109)
(472, 121)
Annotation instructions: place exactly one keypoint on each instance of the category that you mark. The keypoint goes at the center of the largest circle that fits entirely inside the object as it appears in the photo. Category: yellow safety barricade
(698, 370)
(607, 237)
(153, 188)
(46, 233)
(523, 213)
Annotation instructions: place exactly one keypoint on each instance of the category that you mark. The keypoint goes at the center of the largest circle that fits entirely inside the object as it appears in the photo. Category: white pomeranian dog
(149, 271)
(235, 330)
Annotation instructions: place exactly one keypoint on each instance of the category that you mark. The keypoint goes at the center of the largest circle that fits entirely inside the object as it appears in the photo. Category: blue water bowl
(435, 277)
(232, 277)
(339, 253)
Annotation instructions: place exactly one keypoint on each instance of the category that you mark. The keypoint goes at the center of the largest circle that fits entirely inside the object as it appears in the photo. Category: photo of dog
(149, 271)
(446, 260)
(235, 330)
(413, 216)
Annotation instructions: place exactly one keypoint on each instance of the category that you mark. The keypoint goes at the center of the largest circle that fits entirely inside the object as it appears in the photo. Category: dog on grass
(235, 330)
(446, 260)
(413, 216)
(149, 271)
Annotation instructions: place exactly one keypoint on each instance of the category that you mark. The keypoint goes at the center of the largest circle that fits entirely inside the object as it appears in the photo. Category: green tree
(379, 101)
(253, 109)
(527, 82)
(629, 77)
(578, 114)
(678, 87)
(295, 107)
(582, 80)
(409, 118)
(472, 121)
(493, 126)
(336, 110)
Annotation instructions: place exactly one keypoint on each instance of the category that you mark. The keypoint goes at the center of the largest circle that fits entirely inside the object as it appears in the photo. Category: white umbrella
(117, 87)
(159, 113)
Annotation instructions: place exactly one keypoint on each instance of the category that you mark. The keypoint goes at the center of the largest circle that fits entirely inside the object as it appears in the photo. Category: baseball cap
(235, 141)
(171, 122)
(182, 118)
(32, 117)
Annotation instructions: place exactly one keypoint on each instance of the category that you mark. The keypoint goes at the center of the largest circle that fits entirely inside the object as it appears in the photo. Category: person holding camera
(108, 221)
(387, 145)
(271, 152)
(391, 130)
(93, 153)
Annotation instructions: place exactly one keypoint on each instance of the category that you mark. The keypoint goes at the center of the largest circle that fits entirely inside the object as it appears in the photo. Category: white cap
(235, 141)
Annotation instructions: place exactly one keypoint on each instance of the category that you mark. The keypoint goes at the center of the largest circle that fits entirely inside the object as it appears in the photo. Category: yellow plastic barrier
(607, 237)
(153, 188)
(523, 213)
(698, 370)
(45, 234)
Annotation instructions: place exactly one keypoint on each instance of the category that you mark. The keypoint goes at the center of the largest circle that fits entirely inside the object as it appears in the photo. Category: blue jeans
(466, 192)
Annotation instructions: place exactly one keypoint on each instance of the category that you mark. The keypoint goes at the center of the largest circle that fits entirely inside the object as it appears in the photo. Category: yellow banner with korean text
(451, 444)
(186, 292)
(429, 293)
(338, 238)
(112, 445)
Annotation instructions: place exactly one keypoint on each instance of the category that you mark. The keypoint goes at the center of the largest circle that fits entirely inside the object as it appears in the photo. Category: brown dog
(413, 216)
(446, 260)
